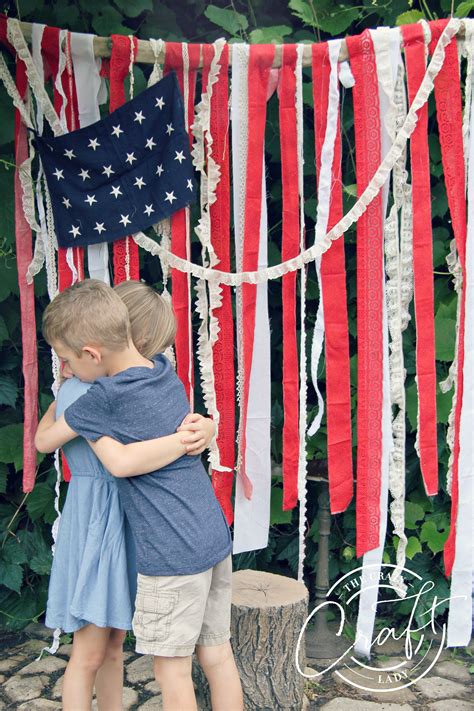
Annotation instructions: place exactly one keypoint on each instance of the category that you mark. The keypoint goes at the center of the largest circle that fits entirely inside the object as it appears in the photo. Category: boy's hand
(199, 433)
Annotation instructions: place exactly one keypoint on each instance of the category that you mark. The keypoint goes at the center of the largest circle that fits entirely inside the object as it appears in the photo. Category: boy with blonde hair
(181, 535)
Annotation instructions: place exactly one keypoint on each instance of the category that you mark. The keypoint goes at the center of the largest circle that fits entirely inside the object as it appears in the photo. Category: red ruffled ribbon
(369, 296)
(260, 62)
(180, 281)
(220, 238)
(333, 278)
(119, 69)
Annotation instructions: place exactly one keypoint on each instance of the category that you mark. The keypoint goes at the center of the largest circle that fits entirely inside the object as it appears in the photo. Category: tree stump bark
(268, 613)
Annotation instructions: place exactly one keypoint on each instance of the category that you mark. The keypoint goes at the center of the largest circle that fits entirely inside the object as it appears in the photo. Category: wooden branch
(145, 55)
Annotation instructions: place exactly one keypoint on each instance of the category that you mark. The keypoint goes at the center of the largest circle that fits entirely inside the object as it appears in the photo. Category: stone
(454, 671)
(32, 648)
(152, 705)
(342, 704)
(435, 687)
(153, 687)
(130, 698)
(40, 705)
(11, 662)
(57, 691)
(397, 696)
(450, 705)
(37, 630)
(25, 688)
(65, 650)
(47, 665)
(140, 670)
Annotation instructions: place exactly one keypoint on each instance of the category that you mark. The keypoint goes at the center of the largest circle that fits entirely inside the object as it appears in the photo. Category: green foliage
(25, 521)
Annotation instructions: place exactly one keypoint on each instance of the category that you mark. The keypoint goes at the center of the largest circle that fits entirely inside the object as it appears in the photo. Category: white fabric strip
(322, 217)
(386, 42)
(88, 85)
(251, 517)
(460, 608)
(303, 379)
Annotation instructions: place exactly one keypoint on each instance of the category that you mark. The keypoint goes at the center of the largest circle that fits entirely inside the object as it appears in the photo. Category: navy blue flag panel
(123, 173)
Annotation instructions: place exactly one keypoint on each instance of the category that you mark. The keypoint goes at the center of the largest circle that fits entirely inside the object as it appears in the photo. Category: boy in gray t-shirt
(183, 542)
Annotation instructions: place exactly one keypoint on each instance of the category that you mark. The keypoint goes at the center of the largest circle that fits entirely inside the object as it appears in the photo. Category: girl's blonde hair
(151, 318)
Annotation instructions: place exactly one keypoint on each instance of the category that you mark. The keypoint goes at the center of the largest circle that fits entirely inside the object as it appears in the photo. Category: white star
(169, 128)
(190, 184)
(66, 202)
(139, 182)
(84, 174)
(139, 117)
(107, 170)
(159, 169)
(179, 156)
(93, 143)
(160, 103)
(125, 221)
(148, 209)
(116, 131)
(116, 192)
(75, 231)
(150, 143)
(99, 226)
(170, 197)
(130, 158)
(69, 154)
(59, 174)
(90, 199)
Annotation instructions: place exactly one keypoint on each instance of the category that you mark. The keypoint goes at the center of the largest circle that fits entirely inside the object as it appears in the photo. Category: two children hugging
(139, 500)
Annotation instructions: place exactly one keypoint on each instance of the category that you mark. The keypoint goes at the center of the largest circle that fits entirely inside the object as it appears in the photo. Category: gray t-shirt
(177, 522)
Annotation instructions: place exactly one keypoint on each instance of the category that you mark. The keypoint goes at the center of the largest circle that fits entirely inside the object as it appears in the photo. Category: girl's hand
(199, 433)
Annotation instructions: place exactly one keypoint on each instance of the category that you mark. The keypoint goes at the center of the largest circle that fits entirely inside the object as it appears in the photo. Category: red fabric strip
(224, 376)
(119, 68)
(449, 115)
(333, 278)
(260, 62)
(50, 53)
(369, 296)
(422, 264)
(180, 281)
(24, 255)
(290, 247)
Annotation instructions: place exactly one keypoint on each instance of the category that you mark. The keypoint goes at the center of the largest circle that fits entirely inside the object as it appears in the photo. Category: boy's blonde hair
(151, 318)
(88, 313)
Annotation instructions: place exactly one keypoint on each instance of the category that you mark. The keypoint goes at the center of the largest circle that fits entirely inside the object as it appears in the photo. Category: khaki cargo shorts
(174, 613)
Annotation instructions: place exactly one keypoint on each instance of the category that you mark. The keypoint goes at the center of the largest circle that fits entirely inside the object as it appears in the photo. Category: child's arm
(126, 460)
(51, 433)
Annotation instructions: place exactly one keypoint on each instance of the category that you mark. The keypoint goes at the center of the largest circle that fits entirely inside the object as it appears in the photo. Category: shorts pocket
(152, 618)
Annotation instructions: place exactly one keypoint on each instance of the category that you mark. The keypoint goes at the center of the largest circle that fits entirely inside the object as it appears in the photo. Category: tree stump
(268, 613)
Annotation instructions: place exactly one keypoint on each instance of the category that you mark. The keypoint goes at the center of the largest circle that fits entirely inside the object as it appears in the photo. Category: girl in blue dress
(93, 577)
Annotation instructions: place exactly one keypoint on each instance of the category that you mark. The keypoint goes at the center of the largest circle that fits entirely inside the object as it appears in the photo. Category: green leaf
(432, 537)
(11, 575)
(339, 19)
(267, 35)
(3, 478)
(11, 445)
(230, 21)
(413, 513)
(444, 402)
(463, 9)
(413, 547)
(8, 119)
(3, 330)
(445, 333)
(407, 18)
(8, 391)
(108, 21)
(133, 8)
(302, 10)
(41, 563)
(411, 399)
(40, 502)
(277, 515)
(13, 551)
(348, 552)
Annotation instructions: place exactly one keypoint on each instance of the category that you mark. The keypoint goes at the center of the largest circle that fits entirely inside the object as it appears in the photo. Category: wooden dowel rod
(145, 55)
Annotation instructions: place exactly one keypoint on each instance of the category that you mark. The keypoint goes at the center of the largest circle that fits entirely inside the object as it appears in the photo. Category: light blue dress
(93, 577)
